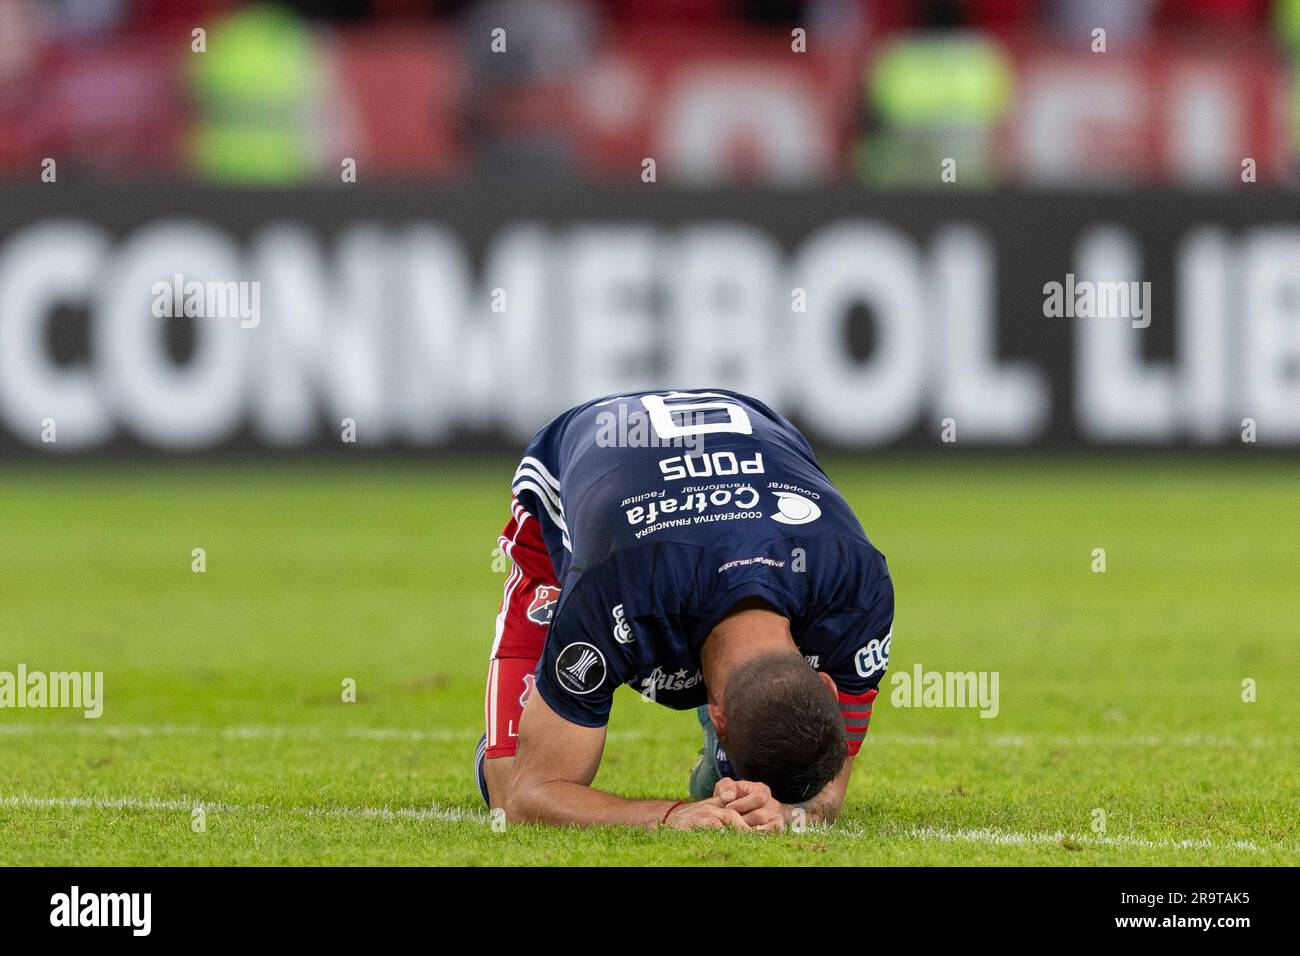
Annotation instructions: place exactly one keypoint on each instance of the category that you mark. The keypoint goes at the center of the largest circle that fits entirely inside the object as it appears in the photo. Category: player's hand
(753, 801)
(705, 815)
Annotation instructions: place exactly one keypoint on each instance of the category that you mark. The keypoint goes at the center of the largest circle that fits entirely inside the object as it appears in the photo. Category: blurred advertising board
(184, 320)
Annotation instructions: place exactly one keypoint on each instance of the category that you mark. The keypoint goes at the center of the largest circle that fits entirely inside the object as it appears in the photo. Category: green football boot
(705, 776)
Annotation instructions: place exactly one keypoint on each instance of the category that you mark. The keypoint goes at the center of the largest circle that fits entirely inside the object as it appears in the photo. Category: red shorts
(522, 622)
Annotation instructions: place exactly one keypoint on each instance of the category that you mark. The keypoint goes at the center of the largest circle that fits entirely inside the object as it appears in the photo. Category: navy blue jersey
(662, 510)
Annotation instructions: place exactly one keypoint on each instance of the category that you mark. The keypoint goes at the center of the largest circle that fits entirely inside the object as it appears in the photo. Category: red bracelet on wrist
(669, 811)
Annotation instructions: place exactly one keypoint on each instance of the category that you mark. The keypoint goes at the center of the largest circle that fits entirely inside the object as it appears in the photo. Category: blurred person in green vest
(934, 100)
(1286, 25)
(258, 90)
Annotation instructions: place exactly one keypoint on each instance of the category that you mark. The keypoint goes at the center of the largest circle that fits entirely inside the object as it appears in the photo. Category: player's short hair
(784, 727)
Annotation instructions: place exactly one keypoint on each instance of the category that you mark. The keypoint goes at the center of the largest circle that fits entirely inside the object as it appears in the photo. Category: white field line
(1198, 741)
(995, 837)
(1012, 838)
(441, 814)
(92, 728)
(989, 837)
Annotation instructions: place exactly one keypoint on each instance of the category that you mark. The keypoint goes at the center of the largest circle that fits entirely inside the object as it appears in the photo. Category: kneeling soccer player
(686, 544)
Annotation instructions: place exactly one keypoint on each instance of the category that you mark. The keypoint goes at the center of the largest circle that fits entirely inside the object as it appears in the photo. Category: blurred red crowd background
(882, 92)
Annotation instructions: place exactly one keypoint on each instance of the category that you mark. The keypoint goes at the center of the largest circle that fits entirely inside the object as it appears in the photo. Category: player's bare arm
(555, 764)
(762, 811)
(826, 806)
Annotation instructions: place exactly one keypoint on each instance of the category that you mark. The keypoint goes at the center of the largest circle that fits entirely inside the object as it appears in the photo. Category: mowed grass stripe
(469, 734)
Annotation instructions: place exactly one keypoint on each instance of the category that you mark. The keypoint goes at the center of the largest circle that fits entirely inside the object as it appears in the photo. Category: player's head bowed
(781, 725)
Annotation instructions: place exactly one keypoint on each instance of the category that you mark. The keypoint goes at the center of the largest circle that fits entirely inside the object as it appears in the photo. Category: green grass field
(1120, 691)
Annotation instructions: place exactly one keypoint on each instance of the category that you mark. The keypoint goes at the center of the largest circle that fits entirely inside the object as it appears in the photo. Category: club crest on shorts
(580, 668)
(542, 608)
